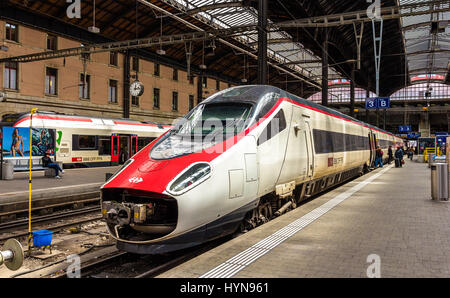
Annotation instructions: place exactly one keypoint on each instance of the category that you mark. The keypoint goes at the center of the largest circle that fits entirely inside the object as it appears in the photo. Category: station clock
(136, 88)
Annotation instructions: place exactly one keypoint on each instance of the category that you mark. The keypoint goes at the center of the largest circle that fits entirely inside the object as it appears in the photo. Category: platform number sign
(370, 103)
(384, 102)
(378, 103)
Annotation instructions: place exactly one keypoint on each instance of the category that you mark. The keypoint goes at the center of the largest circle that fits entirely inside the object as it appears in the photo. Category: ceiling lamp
(209, 50)
(203, 65)
(93, 29)
(160, 51)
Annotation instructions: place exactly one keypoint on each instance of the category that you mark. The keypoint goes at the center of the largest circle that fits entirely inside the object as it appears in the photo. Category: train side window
(144, 141)
(329, 141)
(84, 142)
(104, 145)
(275, 126)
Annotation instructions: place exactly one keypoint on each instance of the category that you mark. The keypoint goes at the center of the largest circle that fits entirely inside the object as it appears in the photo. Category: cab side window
(275, 126)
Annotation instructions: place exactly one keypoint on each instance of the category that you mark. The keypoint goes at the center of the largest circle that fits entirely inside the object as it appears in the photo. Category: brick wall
(31, 82)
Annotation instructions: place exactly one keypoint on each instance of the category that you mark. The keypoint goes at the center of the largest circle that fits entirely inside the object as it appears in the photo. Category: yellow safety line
(29, 181)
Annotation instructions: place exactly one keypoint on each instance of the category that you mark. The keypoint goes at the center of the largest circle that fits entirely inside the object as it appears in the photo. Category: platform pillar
(424, 125)
(126, 85)
(367, 110)
(199, 89)
(262, 42)
(325, 68)
(352, 94)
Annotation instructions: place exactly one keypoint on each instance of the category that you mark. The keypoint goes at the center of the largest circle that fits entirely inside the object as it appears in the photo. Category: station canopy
(411, 44)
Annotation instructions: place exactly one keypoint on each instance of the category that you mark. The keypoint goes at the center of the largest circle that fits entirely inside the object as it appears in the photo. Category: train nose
(135, 214)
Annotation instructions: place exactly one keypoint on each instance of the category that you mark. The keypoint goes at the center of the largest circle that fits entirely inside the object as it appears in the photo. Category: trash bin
(7, 171)
(439, 181)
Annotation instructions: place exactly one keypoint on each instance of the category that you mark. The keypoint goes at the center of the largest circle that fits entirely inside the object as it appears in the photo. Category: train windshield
(224, 118)
(208, 124)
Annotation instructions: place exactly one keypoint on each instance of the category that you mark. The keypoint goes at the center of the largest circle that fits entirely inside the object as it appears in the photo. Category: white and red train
(267, 151)
(92, 141)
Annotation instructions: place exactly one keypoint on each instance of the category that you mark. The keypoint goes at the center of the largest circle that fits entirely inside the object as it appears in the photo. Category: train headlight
(190, 178)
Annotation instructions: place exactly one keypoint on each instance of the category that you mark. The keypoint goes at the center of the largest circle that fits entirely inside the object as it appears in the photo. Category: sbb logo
(135, 179)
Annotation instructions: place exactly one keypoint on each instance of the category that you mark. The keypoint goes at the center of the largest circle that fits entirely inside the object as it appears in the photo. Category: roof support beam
(289, 71)
(121, 45)
(217, 6)
(348, 18)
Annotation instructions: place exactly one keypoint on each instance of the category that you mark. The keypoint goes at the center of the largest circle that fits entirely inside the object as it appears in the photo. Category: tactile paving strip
(251, 254)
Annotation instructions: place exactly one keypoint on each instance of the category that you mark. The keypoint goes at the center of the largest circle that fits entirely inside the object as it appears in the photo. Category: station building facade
(91, 85)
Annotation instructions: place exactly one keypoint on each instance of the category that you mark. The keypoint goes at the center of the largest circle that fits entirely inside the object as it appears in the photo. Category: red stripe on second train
(53, 118)
(139, 124)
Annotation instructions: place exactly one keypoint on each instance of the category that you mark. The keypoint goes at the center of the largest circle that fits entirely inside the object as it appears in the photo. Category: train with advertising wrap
(241, 157)
(83, 141)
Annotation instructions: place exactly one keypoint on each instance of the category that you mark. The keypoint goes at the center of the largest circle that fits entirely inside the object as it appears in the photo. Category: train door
(372, 145)
(115, 149)
(134, 145)
(124, 148)
(309, 146)
(295, 165)
(271, 147)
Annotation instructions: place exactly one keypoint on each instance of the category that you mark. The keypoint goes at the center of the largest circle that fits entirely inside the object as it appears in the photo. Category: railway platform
(75, 184)
(380, 224)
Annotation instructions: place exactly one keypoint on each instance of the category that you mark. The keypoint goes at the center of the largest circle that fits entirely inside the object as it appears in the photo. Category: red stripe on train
(174, 166)
(53, 118)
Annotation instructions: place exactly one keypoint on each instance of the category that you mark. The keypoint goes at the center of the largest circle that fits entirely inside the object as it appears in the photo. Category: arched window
(422, 91)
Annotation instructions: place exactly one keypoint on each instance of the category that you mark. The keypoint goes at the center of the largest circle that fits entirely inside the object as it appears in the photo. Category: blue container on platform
(42, 238)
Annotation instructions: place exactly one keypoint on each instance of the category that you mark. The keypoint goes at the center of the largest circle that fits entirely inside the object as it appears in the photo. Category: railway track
(121, 264)
(18, 228)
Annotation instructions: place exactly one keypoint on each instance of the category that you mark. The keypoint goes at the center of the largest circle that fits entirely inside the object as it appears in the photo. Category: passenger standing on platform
(124, 155)
(410, 153)
(390, 155)
(379, 157)
(47, 162)
(398, 157)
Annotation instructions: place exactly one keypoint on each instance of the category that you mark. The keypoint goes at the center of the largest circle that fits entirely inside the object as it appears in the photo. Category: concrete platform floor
(384, 223)
(71, 177)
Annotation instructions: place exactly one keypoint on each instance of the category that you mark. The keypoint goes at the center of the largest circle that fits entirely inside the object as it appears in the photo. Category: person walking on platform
(47, 162)
(398, 157)
(390, 155)
(379, 158)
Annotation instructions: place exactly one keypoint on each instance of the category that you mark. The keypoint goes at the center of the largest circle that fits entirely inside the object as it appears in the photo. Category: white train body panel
(314, 148)
(68, 126)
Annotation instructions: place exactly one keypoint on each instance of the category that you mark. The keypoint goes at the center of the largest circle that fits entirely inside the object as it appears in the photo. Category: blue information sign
(414, 135)
(378, 103)
(441, 139)
(384, 102)
(404, 128)
(371, 103)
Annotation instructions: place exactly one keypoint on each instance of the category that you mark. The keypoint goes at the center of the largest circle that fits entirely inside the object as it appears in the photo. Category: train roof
(255, 94)
(61, 116)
